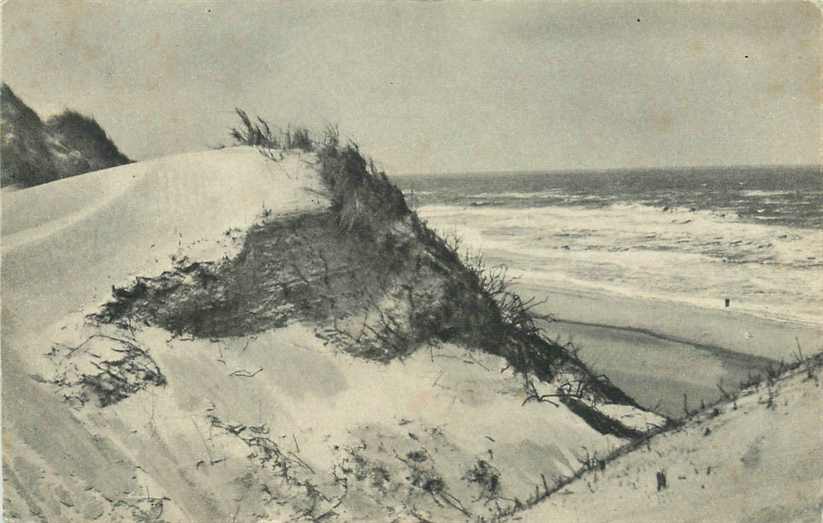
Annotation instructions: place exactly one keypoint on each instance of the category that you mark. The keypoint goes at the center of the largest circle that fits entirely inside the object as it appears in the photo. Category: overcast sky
(431, 87)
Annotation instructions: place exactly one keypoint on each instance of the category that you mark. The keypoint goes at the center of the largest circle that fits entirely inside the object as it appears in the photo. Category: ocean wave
(793, 195)
(677, 254)
(518, 195)
(757, 192)
(655, 213)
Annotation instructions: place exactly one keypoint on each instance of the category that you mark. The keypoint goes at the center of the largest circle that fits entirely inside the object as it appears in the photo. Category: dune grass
(446, 296)
(35, 152)
(83, 134)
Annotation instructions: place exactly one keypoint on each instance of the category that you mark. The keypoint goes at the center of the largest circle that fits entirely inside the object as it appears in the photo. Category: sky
(437, 86)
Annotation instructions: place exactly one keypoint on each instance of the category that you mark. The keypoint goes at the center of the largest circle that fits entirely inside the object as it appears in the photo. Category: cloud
(431, 86)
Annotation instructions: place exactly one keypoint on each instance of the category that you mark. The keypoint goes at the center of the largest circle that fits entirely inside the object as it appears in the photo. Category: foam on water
(791, 196)
(681, 255)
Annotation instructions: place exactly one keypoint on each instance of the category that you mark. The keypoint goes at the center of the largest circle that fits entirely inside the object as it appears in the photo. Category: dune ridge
(390, 390)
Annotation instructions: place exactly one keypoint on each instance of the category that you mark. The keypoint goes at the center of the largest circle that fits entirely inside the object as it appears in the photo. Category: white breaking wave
(695, 257)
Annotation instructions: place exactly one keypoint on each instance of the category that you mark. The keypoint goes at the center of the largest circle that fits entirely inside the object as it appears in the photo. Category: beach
(185, 417)
(340, 262)
(636, 275)
(657, 352)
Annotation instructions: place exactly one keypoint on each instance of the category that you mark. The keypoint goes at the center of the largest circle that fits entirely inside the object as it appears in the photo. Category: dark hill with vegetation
(35, 152)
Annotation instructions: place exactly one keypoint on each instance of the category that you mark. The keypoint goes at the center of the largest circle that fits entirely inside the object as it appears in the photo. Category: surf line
(715, 350)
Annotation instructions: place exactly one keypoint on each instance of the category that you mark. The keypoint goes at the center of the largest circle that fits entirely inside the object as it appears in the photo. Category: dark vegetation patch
(259, 133)
(298, 268)
(83, 134)
(487, 478)
(599, 421)
(282, 478)
(104, 368)
(25, 155)
(370, 273)
(34, 152)
(390, 475)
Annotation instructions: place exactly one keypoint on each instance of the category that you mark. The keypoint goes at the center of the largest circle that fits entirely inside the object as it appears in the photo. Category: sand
(200, 447)
(637, 251)
(607, 286)
(658, 351)
(728, 329)
(208, 444)
(753, 461)
(64, 246)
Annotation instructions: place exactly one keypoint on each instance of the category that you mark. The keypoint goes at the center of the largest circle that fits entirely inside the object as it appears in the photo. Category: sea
(700, 236)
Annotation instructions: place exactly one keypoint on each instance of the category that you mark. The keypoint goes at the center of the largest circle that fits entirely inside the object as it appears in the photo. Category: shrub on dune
(36, 152)
(83, 134)
(444, 297)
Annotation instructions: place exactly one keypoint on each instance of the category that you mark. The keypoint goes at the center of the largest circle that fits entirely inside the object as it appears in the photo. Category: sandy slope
(653, 346)
(326, 408)
(66, 243)
(752, 461)
(257, 428)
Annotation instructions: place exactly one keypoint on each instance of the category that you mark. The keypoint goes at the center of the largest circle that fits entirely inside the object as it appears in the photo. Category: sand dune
(112, 417)
(756, 459)
(65, 245)
(122, 421)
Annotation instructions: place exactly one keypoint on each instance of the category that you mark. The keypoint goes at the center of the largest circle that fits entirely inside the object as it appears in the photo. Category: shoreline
(695, 261)
(668, 356)
(719, 352)
(729, 330)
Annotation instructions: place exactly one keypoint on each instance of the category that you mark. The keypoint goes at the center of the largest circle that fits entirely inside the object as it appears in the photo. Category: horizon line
(615, 169)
